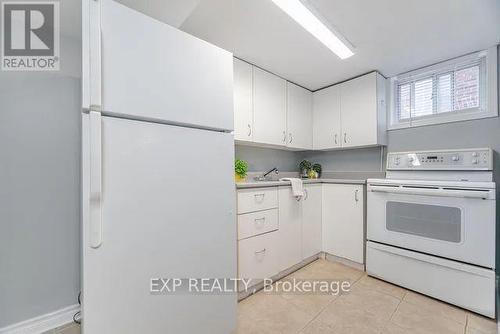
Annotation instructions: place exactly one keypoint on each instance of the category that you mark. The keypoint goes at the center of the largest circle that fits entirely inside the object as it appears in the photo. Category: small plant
(305, 166)
(240, 168)
(317, 168)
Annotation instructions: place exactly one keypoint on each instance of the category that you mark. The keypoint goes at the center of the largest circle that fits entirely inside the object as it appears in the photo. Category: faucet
(263, 177)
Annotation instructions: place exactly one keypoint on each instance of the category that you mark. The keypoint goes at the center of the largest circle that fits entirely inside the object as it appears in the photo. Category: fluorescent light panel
(303, 16)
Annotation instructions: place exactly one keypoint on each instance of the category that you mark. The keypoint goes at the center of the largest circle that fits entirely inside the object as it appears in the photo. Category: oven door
(452, 222)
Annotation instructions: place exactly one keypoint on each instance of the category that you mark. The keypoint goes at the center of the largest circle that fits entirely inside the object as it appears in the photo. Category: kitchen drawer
(258, 257)
(255, 223)
(250, 200)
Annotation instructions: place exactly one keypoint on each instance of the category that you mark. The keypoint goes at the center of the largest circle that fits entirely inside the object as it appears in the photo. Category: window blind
(442, 90)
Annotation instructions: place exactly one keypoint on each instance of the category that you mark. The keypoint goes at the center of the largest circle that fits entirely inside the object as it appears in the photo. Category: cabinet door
(343, 227)
(258, 257)
(311, 221)
(269, 96)
(359, 111)
(299, 117)
(243, 107)
(290, 228)
(326, 118)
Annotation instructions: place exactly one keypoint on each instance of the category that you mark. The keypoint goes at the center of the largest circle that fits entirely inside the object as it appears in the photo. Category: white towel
(297, 186)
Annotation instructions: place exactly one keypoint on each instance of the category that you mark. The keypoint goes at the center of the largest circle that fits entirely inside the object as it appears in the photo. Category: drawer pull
(260, 252)
(259, 197)
(259, 222)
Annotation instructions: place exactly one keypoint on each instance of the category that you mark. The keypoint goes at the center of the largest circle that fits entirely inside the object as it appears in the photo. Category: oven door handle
(479, 194)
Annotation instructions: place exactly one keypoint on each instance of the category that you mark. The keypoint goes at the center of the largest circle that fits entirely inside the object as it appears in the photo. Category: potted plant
(240, 170)
(305, 166)
(317, 169)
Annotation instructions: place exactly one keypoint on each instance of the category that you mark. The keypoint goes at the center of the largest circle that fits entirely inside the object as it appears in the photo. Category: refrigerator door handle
(95, 180)
(95, 55)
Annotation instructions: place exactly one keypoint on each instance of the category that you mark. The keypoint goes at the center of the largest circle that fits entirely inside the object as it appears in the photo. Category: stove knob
(410, 159)
(455, 158)
(475, 161)
(474, 154)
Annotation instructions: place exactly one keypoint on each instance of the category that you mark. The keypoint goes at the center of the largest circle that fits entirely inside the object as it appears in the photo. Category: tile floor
(66, 329)
(372, 306)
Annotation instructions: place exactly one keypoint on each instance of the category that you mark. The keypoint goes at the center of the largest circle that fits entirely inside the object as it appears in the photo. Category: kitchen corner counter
(263, 184)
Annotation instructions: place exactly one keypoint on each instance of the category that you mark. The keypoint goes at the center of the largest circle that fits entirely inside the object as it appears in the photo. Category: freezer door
(151, 70)
(167, 200)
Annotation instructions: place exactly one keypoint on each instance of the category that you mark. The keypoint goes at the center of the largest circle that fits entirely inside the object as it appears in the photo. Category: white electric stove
(431, 226)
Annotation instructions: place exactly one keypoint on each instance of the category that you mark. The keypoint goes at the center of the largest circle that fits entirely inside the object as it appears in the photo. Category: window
(455, 90)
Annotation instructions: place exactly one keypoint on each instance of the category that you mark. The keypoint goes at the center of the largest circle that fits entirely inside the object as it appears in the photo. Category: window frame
(488, 104)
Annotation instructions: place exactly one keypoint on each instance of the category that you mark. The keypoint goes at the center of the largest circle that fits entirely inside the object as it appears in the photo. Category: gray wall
(262, 159)
(357, 160)
(40, 189)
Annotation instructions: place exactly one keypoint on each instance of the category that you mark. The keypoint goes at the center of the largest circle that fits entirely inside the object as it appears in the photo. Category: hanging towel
(297, 186)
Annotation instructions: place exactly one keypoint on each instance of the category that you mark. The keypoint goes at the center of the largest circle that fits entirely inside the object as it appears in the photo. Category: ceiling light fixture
(303, 16)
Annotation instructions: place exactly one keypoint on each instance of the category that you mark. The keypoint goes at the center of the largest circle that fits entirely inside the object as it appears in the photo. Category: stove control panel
(467, 159)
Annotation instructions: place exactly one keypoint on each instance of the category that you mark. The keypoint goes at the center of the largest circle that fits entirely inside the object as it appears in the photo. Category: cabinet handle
(345, 138)
(249, 130)
(306, 194)
(259, 198)
(262, 220)
(336, 142)
(356, 195)
(291, 138)
(261, 251)
(284, 136)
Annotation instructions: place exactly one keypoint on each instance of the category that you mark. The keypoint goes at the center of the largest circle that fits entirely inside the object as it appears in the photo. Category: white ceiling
(391, 36)
(173, 12)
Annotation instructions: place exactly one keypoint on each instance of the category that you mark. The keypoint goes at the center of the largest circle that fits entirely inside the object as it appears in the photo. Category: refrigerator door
(153, 71)
(167, 202)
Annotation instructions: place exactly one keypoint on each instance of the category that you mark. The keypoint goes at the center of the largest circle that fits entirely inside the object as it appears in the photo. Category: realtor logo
(30, 36)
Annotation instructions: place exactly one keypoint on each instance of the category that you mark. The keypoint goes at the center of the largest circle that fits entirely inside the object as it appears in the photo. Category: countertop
(262, 184)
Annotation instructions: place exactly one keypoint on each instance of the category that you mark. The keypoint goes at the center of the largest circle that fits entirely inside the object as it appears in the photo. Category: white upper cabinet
(363, 111)
(350, 114)
(269, 113)
(326, 118)
(243, 100)
(299, 117)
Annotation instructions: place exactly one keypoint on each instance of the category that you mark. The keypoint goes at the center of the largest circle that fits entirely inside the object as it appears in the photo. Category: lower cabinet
(311, 221)
(255, 223)
(290, 228)
(259, 257)
(343, 221)
(276, 232)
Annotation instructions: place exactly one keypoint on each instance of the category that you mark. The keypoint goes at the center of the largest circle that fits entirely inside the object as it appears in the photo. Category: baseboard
(43, 323)
(260, 285)
(341, 260)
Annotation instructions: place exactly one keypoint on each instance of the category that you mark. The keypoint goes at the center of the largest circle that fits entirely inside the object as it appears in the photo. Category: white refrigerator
(158, 190)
